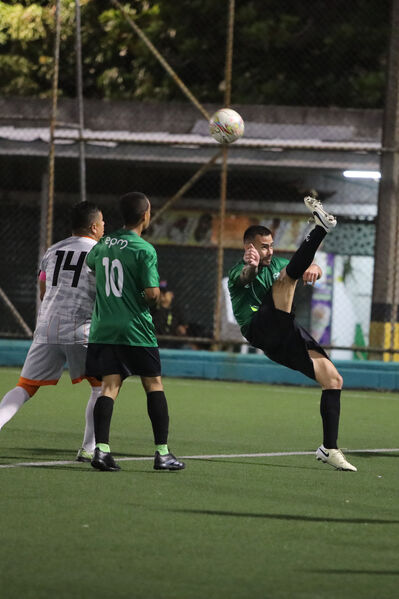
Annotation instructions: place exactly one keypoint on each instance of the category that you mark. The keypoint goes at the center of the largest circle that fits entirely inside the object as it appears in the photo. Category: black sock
(330, 405)
(304, 255)
(102, 415)
(157, 408)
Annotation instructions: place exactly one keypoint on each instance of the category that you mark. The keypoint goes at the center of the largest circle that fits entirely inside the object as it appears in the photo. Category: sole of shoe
(335, 467)
(169, 469)
(103, 467)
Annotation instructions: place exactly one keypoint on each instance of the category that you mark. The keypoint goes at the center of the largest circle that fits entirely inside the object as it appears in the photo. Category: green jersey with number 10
(125, 265)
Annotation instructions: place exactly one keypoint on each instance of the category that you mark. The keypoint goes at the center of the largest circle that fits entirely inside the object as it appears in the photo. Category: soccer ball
(226, 126)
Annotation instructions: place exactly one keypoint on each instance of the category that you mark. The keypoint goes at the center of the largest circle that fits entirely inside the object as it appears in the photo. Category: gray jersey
(66, 309)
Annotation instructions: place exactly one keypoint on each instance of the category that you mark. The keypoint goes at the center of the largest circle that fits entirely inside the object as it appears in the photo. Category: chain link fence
(163, 149)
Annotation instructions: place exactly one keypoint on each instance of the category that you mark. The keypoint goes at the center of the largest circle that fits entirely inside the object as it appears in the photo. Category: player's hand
(251, 256)
(311, 275)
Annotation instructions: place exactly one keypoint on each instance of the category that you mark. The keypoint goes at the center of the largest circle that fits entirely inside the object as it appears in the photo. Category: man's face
(264, 246)
(166, 298)
(147, 217)
(98, 227)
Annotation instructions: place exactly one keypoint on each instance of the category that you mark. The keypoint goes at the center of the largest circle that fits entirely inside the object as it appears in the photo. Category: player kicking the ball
(262, 290)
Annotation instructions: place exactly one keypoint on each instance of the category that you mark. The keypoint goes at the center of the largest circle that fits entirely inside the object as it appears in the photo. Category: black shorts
(282, 339)
(103, 359)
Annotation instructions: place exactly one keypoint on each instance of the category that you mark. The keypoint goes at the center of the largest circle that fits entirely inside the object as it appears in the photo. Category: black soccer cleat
(167, 462)
(104, 461)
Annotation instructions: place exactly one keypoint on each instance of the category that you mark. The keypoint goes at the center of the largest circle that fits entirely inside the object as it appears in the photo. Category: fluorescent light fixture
(362, 174)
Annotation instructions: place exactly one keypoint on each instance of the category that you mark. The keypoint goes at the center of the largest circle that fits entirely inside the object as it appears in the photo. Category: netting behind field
(186, 239)
(142, 130)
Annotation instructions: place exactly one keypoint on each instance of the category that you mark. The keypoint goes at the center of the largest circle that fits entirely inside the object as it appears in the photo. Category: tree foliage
(287, 52)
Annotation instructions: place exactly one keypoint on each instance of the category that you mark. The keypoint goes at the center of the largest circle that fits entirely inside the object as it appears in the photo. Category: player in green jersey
(122, 338)
(262, 289)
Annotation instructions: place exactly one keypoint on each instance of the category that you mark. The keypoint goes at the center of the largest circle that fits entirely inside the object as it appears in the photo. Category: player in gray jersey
(67, 290)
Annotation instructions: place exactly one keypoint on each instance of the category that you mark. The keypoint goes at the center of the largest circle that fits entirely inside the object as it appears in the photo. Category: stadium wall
(253, 368)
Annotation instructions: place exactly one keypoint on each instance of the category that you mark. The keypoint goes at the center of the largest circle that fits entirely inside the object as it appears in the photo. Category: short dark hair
(133, 205)
(84, 215)
(255, 230)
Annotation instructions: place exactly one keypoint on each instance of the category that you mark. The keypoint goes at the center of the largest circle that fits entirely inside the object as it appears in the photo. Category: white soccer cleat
(335, 458)
(84, 456)
(320, 216)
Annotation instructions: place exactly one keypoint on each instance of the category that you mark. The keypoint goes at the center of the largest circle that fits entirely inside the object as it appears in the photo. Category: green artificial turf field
(268, 527)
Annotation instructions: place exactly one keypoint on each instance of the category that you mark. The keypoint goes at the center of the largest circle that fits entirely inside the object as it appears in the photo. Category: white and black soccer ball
(226, 126)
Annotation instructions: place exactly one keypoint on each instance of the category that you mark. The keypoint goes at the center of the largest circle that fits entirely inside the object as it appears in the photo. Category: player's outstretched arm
(250, 270)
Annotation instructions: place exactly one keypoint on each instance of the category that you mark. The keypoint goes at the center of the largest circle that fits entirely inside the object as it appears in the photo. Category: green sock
(162, 449)
(103, 447)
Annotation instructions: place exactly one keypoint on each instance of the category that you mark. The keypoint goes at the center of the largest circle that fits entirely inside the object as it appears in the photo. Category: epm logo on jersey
(110, 241)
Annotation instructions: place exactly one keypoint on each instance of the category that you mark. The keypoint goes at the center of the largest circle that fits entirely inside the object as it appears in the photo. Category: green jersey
(125, 264)
(246, 299)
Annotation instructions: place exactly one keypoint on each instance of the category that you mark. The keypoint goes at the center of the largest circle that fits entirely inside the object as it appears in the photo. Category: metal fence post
(385, 300)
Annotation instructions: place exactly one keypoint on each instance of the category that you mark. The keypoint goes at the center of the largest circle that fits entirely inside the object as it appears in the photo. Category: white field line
(278, 454)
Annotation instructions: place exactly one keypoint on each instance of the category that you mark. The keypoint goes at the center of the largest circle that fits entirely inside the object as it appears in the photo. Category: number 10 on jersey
(113, 277)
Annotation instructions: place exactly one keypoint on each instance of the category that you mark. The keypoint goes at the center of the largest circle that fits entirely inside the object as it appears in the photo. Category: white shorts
(45, 364)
